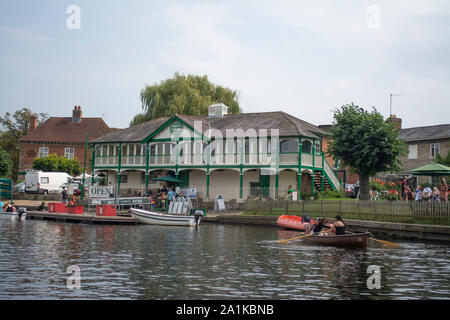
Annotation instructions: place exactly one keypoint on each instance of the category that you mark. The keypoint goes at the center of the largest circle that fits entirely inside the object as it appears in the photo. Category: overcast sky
(302, 57)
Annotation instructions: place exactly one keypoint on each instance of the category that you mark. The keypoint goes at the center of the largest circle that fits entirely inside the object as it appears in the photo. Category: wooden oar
(386, 243)
(309, 235)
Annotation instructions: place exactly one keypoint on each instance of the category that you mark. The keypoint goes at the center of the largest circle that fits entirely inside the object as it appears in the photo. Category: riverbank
(391, 229)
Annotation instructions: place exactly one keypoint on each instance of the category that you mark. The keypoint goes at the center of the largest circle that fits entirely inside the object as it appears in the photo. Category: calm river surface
(213, 262)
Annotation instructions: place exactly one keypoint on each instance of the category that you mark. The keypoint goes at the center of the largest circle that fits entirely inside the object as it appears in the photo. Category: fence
(389, 211)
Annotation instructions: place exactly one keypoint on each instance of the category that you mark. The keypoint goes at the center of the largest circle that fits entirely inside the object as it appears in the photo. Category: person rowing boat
(321, 225)
(338, 227)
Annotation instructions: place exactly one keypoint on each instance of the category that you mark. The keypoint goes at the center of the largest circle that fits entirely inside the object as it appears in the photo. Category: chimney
(33, 123)
(396, 122)
(76, 114)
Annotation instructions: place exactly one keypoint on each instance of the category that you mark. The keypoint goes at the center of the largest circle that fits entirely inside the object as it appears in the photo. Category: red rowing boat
(292, 222)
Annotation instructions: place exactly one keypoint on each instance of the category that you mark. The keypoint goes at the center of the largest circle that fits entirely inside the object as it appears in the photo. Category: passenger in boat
(321, 224)
(10, 207)
(338, 227)
(41, 207)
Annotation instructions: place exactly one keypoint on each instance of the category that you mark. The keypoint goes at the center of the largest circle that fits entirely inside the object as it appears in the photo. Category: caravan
(45, 182)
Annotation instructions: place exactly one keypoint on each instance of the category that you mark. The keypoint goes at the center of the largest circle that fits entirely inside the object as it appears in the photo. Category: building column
(277, 175)
(313, 149)
(92, 166)
(299, 172)
(118, 170)
(241, 182)
(207, 184)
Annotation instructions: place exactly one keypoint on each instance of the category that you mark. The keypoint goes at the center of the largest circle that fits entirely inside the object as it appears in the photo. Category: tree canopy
(53, 163)
(366, 142)
(188, 95)
(5, 164)
(12, 128)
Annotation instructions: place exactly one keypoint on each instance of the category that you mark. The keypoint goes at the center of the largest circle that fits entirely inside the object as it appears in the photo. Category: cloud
(25, 36)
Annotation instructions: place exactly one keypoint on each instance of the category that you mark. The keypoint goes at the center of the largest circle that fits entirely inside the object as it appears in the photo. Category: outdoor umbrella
(432, 169)
(168, 179)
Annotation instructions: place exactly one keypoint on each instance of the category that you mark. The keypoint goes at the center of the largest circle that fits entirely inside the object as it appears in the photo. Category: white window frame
(434, 150)
(68, 154)
(412, 151)
(43, 152)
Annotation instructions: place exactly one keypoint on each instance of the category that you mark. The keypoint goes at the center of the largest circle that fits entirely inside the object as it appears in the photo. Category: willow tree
(366, 142)
(188, 95)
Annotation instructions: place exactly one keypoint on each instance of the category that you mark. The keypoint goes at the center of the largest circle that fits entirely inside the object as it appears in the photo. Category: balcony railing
(202, 159)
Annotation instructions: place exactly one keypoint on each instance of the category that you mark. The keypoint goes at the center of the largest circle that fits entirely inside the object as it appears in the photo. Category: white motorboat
(149, 217)
(13, 215)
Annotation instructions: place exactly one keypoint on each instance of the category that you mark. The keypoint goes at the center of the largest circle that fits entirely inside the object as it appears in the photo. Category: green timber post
(147, 161)
(323, 171)
(207, 184)
(118, 169)
(92, 165)
(84, 166)
(241, 182)
(276, 183)
(299, 173)
(313, 149)
(208, 161)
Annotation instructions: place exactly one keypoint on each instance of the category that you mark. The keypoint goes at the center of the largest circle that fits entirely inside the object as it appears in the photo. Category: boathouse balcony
(174, 159)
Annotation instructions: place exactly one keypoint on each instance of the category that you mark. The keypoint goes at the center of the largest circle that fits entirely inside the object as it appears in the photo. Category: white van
(45, 182)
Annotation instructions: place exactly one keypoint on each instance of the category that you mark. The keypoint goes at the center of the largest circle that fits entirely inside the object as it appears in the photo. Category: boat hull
(292, 222)
(353, 240)
(148, 217)
(11, 216)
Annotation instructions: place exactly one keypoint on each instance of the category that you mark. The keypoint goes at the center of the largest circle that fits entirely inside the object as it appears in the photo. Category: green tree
(188, 95)
(366, 142)
(12, 128)
(53, 163)
(5, 164)
(443, 160)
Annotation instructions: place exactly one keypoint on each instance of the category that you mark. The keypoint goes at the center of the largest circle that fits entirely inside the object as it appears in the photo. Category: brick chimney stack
(33, 123)
(396, 122)
(76, 114)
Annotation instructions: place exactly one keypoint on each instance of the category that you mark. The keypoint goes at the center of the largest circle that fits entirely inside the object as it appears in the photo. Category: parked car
(20, 187)
(352, 190)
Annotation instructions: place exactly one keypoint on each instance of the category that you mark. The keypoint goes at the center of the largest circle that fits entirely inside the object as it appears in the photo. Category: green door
(264, 185)
(184, 176)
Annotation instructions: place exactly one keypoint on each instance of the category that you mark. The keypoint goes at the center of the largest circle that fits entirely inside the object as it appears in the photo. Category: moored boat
(149, 217)
(350, 240)
(292, 222)
(12, 216)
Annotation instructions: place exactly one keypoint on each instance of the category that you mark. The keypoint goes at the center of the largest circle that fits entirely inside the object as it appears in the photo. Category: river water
(212, 262)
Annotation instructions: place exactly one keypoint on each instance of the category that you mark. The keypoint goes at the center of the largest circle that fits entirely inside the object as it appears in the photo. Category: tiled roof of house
(285, 123)
(63, 129)
(441, 131)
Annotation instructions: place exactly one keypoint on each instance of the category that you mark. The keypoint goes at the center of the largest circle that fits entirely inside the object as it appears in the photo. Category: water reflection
(213, 262)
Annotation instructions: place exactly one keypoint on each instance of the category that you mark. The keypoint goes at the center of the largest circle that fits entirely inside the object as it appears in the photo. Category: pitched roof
(286, 124)
(441, 131)
(63, 129)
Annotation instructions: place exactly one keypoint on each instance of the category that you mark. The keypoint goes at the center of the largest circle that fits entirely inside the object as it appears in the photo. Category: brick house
(423, 144)
(65, 136)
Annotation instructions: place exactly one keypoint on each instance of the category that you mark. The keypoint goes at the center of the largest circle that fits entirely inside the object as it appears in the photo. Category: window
(289, 146)
(318, 147)
(434, 150)
(69, 153)
(43, 152)
(44, 180)
(412, 154)
(306, 146)
(123, 178)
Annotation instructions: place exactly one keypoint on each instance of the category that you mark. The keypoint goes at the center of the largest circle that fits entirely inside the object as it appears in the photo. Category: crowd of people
(437, 194)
